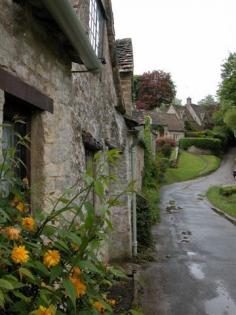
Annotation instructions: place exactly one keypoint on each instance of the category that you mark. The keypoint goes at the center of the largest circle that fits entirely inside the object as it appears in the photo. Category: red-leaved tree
(153, 89)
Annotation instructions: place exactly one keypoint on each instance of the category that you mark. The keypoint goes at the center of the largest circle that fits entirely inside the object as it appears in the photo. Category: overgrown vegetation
(51, 262)
(218, 132)
(191, 166)
(147, 204)
(223, 198)
(214, 145)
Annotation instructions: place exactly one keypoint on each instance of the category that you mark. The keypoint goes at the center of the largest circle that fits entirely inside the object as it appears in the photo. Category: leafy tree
(230, 119)
(208, 101)
(227, 90)
(177, 102)
(154, 89)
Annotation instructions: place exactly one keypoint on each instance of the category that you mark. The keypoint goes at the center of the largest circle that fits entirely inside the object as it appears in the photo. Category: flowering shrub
(162, 141)
(50, 261)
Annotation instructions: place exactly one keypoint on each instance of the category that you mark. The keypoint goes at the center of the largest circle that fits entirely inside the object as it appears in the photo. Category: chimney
(189, 101)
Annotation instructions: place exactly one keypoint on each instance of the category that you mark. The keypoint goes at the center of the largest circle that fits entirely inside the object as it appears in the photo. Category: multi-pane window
(16, 123)
(96, 27)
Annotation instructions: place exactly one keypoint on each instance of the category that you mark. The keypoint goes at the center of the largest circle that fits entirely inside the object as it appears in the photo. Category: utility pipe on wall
(134, 203)
(65, 16)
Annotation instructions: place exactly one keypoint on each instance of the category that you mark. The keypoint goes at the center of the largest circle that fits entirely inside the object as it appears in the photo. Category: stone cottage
(166, 125)
(125, 59)
(194, 116)
(58, 71)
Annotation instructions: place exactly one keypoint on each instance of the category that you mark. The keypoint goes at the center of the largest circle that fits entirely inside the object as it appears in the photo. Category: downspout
(65, 16)
(134, 202)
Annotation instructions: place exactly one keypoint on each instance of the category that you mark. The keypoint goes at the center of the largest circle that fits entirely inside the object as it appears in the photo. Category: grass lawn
(191, 166)
(224, 203)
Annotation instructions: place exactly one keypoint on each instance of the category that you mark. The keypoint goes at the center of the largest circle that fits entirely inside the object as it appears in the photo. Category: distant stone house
(172, 127)
(166, 125)
(194, 116)
(58, 70)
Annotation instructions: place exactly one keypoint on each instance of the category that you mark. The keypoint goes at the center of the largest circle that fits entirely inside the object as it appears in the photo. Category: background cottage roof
(198, 109)
(124, 53)
(171, 121)
(160, 119)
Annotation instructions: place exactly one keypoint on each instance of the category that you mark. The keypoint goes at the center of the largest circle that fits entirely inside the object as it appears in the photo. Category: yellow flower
(80, 287)
(25, 181)
(44, 311)
(76, 272)
(99, 307)
(29, 224)
(21, 207)
(75, 247)
(20, 255)
(51, 258)
(112, 302)
(14, 201)
(12, 233)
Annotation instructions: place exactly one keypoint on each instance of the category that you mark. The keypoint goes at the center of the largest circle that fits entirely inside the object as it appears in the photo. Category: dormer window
(96, 26)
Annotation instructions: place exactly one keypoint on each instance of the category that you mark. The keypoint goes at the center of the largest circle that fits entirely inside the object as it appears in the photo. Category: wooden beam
(15, 86)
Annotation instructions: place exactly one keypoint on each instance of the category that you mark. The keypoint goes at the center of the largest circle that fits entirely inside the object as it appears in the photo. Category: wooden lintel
(15, 86)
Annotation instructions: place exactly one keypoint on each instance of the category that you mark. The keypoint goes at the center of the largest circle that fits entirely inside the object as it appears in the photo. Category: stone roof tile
(124, 53)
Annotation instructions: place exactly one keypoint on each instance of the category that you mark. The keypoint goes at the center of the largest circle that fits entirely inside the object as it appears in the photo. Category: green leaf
(40, 267)
(61, 245)
(133, 312)
(55, 272)
(22, 296)
(5, 284)
(26, 272)
(86, 264)
(72, 236)
(99, 189)
(49, 230)
(70, 291)
(14, 281)
(64, 200)
(117, 272)
(2, 299)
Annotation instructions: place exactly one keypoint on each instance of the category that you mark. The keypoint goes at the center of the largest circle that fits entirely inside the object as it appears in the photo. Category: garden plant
(51, 261)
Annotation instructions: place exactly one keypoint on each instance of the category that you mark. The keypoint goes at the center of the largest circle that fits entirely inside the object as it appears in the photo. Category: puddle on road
(191, 254)
(222, 304)
(196, 271)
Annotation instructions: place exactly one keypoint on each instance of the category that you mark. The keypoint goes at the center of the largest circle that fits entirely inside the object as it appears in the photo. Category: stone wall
(28, 53)
(126, 83)
(82, 102)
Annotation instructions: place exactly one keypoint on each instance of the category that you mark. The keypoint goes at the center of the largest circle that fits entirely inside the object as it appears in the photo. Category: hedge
(228, 191)
(214, 145)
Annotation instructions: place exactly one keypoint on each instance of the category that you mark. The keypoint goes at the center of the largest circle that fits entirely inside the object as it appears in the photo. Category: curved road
(195, 271)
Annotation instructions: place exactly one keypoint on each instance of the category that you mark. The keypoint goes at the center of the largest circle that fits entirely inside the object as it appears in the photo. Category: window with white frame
(96, 27)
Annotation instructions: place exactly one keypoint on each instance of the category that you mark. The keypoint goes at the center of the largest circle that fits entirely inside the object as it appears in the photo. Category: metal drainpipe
(65, 16)
(134, 203)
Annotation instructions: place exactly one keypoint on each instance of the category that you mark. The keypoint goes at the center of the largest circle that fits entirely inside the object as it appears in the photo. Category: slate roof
(124, 53)
(198, 110)
(161, 119)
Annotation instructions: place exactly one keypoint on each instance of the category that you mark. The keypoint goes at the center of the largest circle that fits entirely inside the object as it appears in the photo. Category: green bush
(215, 145)
(196, 134)
(220, 132)
(227, 191)
(166, 150)
(144, 221)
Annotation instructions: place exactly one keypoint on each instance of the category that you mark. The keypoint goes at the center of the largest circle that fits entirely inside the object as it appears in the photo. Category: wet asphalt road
(195, 272)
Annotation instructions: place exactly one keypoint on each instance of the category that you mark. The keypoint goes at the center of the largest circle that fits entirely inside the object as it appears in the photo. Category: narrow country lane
(195, 271)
